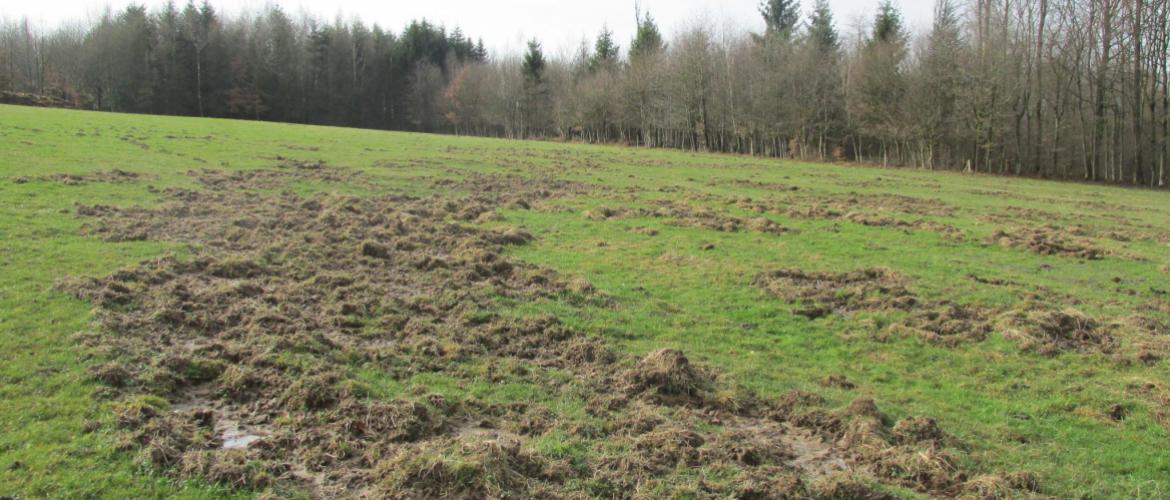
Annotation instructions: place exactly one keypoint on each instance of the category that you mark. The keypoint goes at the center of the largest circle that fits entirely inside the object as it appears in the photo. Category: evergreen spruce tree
(780, 16)
(648, 39)
(821, 32)
(535, 90)
(480, 54)
(887, 28)
(605, 51)
(533, 66)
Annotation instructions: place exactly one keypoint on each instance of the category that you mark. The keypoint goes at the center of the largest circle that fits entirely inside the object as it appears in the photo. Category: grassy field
(1088, 413)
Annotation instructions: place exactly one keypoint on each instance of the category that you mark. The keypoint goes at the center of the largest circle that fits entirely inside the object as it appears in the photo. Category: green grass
(1015, 410)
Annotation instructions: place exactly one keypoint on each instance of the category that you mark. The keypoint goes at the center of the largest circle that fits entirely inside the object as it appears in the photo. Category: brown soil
(820, 294)
(684, 215)
(607, 213)
(115, 176)
(1148, 336)
(644, 231)
(538, 192)
(257, 342)
(874, 203)
(750, 184)
(838, 381)
(867, 210)
(1033, 326)
(1050, 332)
(949, 324)
(1046, 240)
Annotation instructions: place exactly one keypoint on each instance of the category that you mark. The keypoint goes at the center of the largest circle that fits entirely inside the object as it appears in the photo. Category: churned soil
(246, 362)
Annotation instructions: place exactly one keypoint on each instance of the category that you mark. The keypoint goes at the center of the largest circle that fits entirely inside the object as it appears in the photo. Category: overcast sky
(504, 24)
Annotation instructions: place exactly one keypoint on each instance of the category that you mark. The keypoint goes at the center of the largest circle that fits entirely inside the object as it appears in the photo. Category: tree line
(1071, 89)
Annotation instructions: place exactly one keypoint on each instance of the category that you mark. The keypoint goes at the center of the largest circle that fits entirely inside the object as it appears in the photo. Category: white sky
(504, 24)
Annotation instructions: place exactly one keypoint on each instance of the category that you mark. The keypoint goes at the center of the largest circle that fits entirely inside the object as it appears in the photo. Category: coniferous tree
(167, 92)
(198, 24)
(131, 71)
(780, 16)
(821, 31)
(605, 51)
(939, 84)
(534, 63)
(644, 89)
(822, 61)
(880, 86)
(480, 54)
(535, 95)
(887, 28)
(647, 40)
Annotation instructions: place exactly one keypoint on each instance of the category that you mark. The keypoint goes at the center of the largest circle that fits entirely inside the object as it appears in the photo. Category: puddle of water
(235, 436)
(238, 441)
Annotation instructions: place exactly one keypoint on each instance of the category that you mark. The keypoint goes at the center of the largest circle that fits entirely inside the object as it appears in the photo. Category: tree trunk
(1138, 91)
(199, 78)
(1039, 141)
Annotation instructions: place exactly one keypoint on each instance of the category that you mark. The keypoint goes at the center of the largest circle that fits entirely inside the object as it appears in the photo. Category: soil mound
(669, 375)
